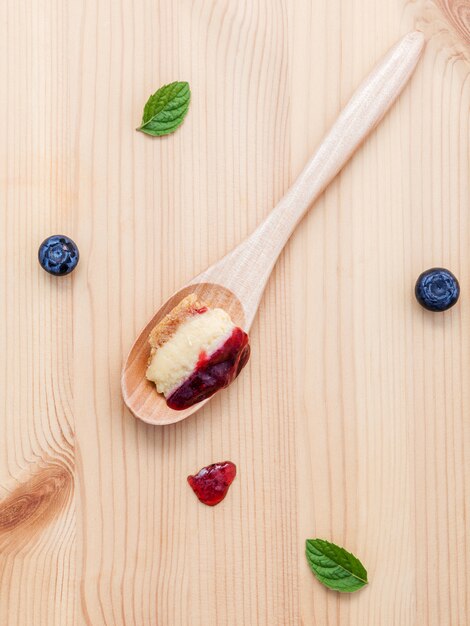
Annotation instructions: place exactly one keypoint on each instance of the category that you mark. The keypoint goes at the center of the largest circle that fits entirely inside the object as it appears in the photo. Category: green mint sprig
(335, 567)
(166, 109)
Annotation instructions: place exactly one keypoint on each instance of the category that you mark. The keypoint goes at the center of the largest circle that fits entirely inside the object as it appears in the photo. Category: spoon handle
(246, 269)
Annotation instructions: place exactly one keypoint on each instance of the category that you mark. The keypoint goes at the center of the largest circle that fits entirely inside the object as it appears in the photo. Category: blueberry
(437, 289)
(58, 255)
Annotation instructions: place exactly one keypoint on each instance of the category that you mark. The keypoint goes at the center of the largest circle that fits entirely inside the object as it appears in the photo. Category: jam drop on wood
(212, 482)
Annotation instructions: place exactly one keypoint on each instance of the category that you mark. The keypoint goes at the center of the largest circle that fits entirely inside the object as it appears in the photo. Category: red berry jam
(213, 373)
(212, 482)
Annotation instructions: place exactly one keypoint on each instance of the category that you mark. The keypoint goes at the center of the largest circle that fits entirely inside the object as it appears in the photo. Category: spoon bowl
(236, 282)
(139, 393)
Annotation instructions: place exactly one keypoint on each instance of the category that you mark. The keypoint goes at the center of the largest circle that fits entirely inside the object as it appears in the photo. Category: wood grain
(351, 422)
(458, 14)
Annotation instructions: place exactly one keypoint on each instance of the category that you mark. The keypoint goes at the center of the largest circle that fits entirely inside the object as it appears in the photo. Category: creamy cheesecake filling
(198, 337)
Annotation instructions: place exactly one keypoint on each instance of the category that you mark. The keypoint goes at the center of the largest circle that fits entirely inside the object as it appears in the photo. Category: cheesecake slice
(195, 350)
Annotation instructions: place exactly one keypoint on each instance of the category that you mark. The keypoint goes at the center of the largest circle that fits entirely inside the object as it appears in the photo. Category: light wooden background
(352, 420)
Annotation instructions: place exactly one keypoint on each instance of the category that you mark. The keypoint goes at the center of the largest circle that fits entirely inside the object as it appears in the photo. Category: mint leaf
(334, 566)
(166, 109)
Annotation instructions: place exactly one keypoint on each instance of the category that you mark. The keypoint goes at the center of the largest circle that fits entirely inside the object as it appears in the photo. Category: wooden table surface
(351, 421)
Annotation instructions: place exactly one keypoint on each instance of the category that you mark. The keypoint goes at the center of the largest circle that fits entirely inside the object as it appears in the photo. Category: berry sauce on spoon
(213, 373)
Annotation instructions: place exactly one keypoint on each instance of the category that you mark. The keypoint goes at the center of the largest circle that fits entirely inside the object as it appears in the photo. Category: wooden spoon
(236, 282)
